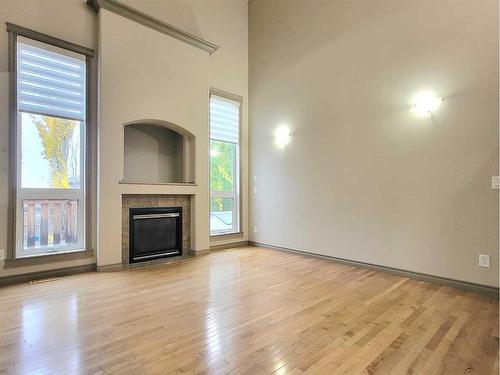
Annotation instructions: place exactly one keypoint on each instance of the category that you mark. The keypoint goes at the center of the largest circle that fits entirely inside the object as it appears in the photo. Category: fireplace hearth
(154, 233)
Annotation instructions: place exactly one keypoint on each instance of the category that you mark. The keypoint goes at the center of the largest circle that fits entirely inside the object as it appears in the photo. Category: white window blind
(224, 119)
(50, 82)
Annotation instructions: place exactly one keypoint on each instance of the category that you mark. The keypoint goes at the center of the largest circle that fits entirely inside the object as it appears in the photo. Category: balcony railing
(50, 223)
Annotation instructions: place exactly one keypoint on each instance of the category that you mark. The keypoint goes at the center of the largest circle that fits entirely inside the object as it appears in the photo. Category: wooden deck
(246, 310)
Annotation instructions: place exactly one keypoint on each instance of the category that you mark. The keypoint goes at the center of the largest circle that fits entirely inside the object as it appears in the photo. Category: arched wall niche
(158, 152)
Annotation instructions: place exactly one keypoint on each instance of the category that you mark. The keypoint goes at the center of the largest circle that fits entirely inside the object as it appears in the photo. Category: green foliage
(222, 174)
(55, 135)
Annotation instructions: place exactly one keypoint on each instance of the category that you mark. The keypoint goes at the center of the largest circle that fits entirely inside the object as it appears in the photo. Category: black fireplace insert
(155, 233)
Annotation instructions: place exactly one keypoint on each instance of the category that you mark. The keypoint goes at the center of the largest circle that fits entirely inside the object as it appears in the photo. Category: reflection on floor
(246, 310)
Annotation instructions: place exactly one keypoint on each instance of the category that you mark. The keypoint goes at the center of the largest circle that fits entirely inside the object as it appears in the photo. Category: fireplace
(154, 233)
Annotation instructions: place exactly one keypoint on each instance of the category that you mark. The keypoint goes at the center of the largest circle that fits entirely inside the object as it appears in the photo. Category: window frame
(14, 216)
(238, 191)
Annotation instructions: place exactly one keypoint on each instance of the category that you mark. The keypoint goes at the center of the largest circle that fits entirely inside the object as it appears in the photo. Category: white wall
(364, 178)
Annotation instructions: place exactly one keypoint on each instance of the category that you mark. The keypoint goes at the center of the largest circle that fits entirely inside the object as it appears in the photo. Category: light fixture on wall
(426, 102)
(282, 136)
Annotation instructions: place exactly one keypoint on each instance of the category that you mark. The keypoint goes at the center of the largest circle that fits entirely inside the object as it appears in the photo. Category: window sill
(48, 258)
(224, 236)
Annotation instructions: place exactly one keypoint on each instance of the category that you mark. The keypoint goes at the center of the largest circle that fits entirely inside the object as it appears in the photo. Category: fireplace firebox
(154, 233)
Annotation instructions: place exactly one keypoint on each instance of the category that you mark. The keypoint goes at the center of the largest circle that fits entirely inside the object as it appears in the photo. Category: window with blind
(224, 165)
(50, 132)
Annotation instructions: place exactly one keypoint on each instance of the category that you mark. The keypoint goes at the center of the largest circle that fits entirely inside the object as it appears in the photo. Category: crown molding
(144, 19)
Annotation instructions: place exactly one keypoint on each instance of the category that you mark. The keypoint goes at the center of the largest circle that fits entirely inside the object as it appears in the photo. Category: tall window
(224, 165)
(50, 132)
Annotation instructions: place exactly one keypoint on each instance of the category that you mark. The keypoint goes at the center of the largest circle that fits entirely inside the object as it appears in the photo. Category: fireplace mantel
(153, 188)
(124, 182)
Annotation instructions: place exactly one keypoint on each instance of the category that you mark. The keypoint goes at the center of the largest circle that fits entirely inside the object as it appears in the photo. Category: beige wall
(157, 147)
(223, 22)
(364, 178)
(75, 23)
(147, 75)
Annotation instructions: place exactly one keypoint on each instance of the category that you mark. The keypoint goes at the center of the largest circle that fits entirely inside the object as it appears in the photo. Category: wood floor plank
(246, 311)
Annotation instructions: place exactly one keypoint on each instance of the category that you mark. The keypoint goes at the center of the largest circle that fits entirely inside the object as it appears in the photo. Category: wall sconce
(426, 102)
(282, 136)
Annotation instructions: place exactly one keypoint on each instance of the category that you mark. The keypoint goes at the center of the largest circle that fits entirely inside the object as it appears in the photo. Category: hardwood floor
(246, 310)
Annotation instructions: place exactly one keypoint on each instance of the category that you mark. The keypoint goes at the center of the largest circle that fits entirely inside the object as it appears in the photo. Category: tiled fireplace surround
(146, 200)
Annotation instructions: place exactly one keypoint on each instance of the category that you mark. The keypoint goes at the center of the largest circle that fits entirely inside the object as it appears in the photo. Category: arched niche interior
(158, 152)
